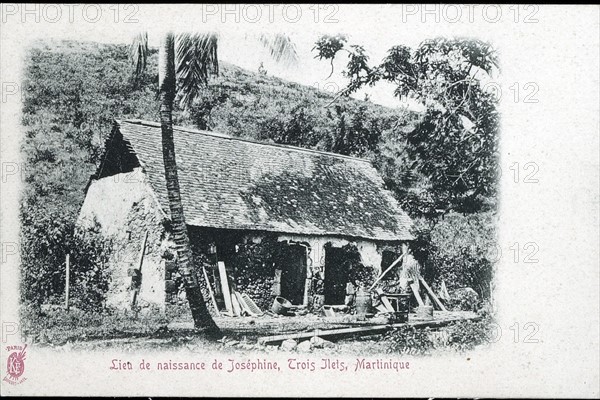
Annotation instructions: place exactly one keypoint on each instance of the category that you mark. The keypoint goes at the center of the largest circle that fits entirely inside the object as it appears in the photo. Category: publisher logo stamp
(15, 365)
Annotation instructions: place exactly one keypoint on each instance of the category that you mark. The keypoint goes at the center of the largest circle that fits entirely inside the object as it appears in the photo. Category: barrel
(281, 306)
(363, 302)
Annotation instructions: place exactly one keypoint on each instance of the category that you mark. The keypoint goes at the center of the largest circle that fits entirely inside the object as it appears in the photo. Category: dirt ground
(241, 334)
(267, 325)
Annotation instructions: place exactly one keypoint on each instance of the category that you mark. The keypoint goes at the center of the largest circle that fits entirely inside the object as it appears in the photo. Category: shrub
(409, 340)
(460, 250)
(466, 335)
(48, 237)
(465, 299)
(359, 274)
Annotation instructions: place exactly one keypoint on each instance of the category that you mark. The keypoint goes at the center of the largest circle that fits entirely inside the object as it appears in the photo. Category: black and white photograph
(300, 200)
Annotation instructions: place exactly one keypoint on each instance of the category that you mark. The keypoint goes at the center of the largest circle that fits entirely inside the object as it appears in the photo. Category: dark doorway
(336, 276)
(293, 273)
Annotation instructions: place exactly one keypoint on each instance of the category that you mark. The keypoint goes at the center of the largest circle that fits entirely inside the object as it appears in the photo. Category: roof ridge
(226, 136)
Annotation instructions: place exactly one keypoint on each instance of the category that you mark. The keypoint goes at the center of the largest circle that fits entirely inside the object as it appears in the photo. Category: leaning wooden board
(363, 330)
(251, 305)
(237, 308)
(432, 295)
(225, 287)
(384, 300)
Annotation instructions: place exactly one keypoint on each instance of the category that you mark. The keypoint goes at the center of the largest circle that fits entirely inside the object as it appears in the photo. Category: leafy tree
(453, 147)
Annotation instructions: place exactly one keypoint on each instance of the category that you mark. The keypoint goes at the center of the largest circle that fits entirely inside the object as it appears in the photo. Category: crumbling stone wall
(126, 208)
(370, 254)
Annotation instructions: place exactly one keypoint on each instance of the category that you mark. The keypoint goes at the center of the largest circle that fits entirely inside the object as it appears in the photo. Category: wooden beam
(67, 281)
(210, 291)
(435, 299)
(384, 300)
(237, 308)
(243, 304)
(139, 268)
(225, 286)
(386, 271)
(251, 305)
(363, 330)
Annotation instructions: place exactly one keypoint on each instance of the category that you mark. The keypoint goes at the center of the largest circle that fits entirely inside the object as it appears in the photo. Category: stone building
(237, 191)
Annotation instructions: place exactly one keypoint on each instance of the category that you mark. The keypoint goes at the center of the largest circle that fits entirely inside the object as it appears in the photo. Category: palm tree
(185, 63)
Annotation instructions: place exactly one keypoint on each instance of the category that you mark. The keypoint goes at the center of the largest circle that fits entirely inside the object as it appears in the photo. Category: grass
(153, 329)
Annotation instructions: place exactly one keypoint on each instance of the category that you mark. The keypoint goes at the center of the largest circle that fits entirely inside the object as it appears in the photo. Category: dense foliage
(50, 240)
(449, 159)
(462, 251)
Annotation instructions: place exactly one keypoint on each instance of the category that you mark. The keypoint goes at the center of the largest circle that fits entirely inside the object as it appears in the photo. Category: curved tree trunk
(167, 87)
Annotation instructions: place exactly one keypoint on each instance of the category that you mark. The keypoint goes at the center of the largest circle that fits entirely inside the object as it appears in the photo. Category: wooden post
(67, 286)
(225, 287)
(212, 295)
(237, 308)
(307, 284)
(140, 263)
(432, 295)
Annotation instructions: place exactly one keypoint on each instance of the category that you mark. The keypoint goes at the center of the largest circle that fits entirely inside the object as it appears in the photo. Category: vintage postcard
(333, 200)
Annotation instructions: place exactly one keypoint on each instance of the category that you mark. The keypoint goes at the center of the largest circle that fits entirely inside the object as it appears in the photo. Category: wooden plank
(237, 309)
(251, 304)
(363, 330)
(415, 290)
(210, 291)
(443, 293)
(323, 333)
(276, 289)
(67, 281)
(384, 300)
(225, 287)
(139, 268)
(432, 295)
(242, 304)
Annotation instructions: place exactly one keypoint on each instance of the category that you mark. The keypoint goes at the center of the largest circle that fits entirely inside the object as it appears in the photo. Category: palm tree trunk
(166, 81)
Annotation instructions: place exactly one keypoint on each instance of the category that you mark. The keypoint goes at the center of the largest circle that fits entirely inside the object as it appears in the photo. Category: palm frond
(280, 47)
(195, 60)
(138, 52)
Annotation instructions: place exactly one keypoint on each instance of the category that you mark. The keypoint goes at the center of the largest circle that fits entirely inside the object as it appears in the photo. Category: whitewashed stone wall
(125, 207)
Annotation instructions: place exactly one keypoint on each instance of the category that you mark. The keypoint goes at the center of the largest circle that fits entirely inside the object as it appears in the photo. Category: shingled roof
(234, 183)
